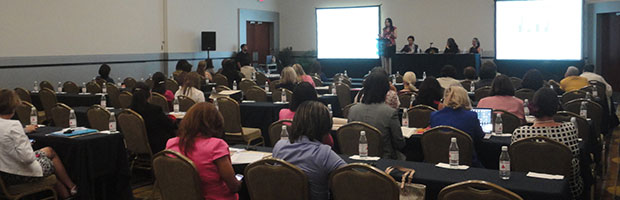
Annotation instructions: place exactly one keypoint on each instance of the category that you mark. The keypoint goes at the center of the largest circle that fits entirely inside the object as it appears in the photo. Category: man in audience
(488, 71)
(104, 73)
(572, 80)
(588, 73)
(448, 73)
(243, 57)
(470, 73)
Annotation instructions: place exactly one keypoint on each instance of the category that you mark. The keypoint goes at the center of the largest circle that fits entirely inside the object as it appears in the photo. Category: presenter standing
(389, 34)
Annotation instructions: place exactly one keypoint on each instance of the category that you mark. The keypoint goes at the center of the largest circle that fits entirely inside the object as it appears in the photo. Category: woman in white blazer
(18, 162)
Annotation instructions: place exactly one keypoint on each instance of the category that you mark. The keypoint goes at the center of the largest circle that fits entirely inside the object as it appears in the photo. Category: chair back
(276, 128)
(23, 94)
(130, 83)
(46, 84)
(125, 99)
(358, 181)
(113, 95)
(172, 85)
(246, 84)
(220, 79)
(467, 85)
(177, 176)
(273, 84)
(516, 82)
(405, 100)
(344, 94)
(185, 103)
(23, 112)
(98, 118)
(48, 100)
(475, 189)
(542, 155)
(510, 121)
(349, 137)
(159, 100)
(572, 95)
(345, 110)
(600, 87)
(277, 95)
(317, 81)
(274, 179)
(60, 115)
(595, 111)
(261, 78)
(583, 127)
(482, 92)
(93, 88)
(256, 93)
(70, 87)
(420, 116)
(100, 81)
(229, 108)
(436, 142)
(134, 132)
(525, 93)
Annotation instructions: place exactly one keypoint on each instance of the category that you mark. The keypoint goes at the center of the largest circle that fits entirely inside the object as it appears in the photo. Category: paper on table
(367, 158)
(501, 134)
(246, 157)
(109, 132)
(530, 119)
(322, 88)
(178, 115)
(235, 150)
(338, 122)
(544, 176)
(228, 92)
(447, 166)
(248, 101)
(408, 132)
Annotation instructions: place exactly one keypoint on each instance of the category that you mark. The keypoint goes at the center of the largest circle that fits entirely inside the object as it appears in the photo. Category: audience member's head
(312, 120)
(159, 83)
(202, 67)
(8, 102)
(209, 63)
(588, 68)
(288, 75)
(430, 90)
(104, 71)
(571, 71)
(456, 97)
(299, 70)
(229, 65)
(376, 87)
(488, 70)
(191, 79)
(201, 120)
(409, 79)
(533, 79)
(545, 103)
(141, 94)
(184, 65)
(448, 71)
(303, 92)
(502, 86)
(469, 73)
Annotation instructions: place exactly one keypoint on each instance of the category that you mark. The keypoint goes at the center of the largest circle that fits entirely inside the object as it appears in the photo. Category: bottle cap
(283, 127)
(504, 148)
(453, 139)
(362, 132)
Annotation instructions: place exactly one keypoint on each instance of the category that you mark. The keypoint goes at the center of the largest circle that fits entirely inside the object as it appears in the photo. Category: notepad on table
(246, 157)
(448, 166)
(544, 176)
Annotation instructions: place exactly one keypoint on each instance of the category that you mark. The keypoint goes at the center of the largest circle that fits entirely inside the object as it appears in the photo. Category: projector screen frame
(316, 29)
(582, 42)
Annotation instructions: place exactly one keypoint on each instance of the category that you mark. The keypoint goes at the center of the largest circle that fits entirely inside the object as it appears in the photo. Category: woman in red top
(389, 33)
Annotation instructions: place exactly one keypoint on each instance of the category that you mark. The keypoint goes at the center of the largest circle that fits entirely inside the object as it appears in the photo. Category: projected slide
(347, 32)
(538, 30)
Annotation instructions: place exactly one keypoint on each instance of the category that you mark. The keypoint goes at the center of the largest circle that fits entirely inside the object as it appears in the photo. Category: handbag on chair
(408, 190)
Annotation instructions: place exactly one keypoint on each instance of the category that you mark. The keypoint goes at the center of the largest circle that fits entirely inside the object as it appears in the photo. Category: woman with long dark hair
(475, 46)
(159, 86)
(451, 47)
(389, 34)
(430, 93)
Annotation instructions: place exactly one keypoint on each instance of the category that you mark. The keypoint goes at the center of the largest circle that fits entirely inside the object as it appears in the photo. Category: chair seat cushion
(34, 186)
(248, 134)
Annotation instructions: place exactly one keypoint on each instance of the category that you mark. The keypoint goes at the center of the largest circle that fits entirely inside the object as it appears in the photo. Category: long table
(432, 63)
(72, 100)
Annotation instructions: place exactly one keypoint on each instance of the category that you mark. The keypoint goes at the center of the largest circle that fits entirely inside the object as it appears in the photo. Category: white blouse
(16, 154)
(193, 93)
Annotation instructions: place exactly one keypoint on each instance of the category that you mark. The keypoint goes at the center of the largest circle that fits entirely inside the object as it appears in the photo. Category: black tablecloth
(436, 178)
(72, 100)
(96, 163)
(432, 63)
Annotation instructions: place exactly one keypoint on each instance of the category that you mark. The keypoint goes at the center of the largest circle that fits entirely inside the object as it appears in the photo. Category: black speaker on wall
(208, 41)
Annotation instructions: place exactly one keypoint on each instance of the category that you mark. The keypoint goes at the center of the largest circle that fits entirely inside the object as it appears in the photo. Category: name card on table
(488, 136)
(322, 88)
(447, 166)
(544, 176)
(367, 158)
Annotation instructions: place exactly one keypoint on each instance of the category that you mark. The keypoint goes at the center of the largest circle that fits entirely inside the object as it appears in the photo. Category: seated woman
(409, 80)
(457, 113)
(503, 97)
(159, 86)
(533, 79)
(543, 107)
(303, 92)
(199, 140)
(451, 47)
(310, 125)
(288, 79)
(230, 70)
(189, 84)
(203, 65)
(374, 111)
(19, 164)
(302, 76)
(159, 128)
(104, 73)
(391, 97)
(430, 94)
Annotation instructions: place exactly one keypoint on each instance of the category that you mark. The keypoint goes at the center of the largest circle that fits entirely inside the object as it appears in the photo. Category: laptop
(484, 116)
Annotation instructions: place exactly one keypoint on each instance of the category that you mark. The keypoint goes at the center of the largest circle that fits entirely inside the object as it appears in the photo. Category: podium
(382, 46)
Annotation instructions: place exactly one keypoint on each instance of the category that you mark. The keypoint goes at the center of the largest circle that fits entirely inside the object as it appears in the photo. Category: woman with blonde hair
(457, 113)
(288, 79)
(190, 81)
(409, 80)
(301, 75)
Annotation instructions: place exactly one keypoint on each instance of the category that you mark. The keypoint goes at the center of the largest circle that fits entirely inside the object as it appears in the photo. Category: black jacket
(159, 128)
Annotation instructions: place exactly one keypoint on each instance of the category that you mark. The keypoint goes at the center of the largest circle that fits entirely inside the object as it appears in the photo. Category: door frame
(263, 16)
(594, 9)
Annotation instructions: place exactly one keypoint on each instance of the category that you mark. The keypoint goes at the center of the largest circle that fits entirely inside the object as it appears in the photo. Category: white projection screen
(538, 29)
(348, 32)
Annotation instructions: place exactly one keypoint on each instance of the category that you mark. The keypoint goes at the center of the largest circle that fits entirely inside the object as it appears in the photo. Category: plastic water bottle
(551, 86)
(583, 110)
(234, 85)
(217, 107)
(472, 87)
(588, 96)
(363, 146)
(526, 108)
(104, 88)
(150, 75)
(112, 122)
(394, 80)
(333, 88)
(331, 112)
(405, 118)
(34, 119)
(253, 76)
(284, 133)
(59, 87)
(283, 96)
(119, 83)
(499, 126)
(266, 86)
(412, 100)
(36, 86)
(574, 121)
(72, 119)
(213, 90)
(83, 87)
(397, 73)
(206, 81)
(141, 79)
(594, 92)
(423, 76)
(453, 156)
(504, 164)
(345, 73)
(175, 105)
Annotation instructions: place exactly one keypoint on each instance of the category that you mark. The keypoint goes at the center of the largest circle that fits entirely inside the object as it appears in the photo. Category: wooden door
(259, 40)
(610, 48)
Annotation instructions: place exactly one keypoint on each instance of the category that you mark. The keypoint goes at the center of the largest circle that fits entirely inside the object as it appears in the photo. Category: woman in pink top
(301, 75)
(502, 97)
(199, 140)
(303, 92)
